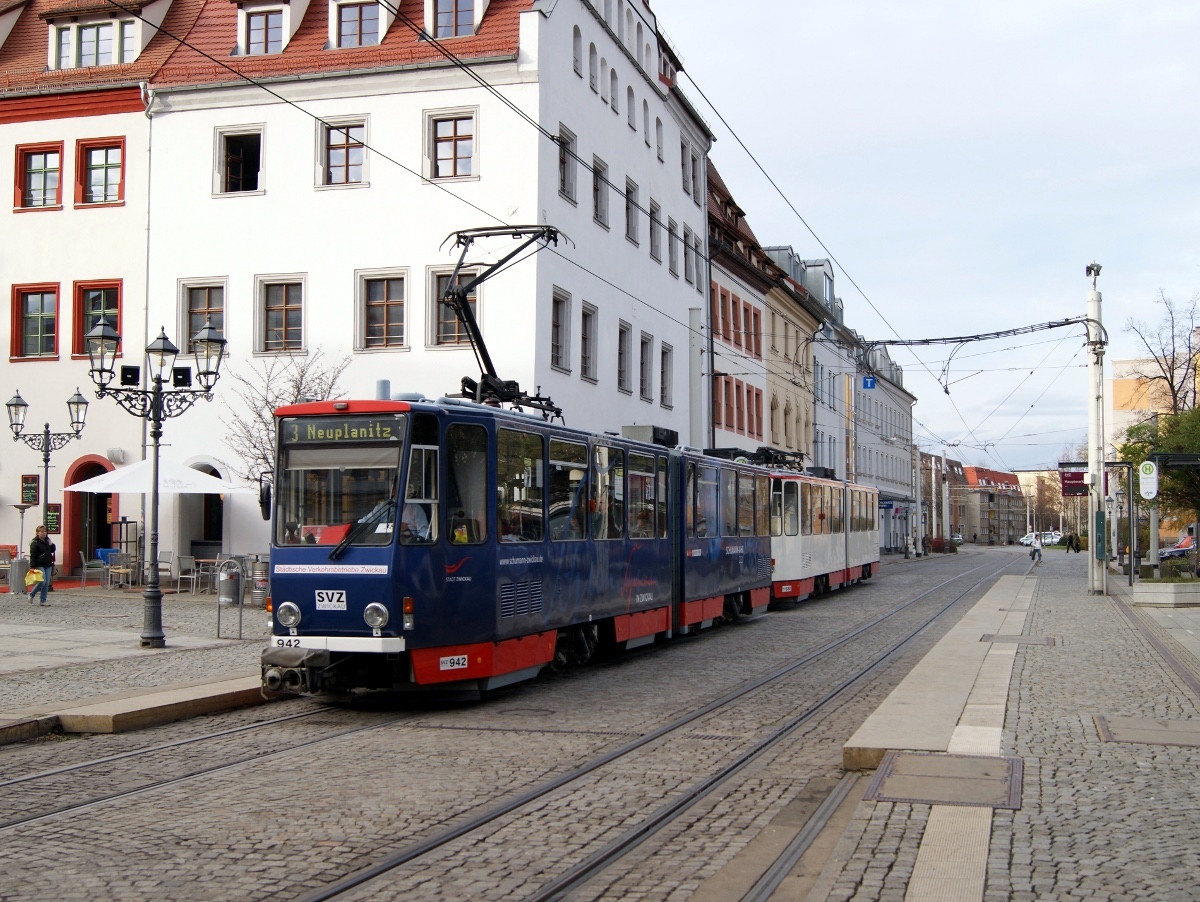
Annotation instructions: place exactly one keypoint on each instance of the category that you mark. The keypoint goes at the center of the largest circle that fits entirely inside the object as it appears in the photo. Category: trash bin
(16, 576)
(259, 583)
(229, 584)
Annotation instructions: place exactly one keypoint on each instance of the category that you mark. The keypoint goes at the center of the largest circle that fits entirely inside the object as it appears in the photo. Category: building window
(689, 266)
(453, 147)
(612, 90)
(600, 191)
(673, 247)
(683, 163)
(658, 137)
(560, 330)
(95, 301)
(646, 121)
(631, 211)
(756, 332)
(728, 381)
(726, 332)
(655, 231)
(96, 45)
(593, 77)
(39, 177)
(450, 330)
(264, 32)
(383, 313)
(205, 303)
(698, 253)
(646, 368)
(623, 375)
(665, 373)
(239, 162)
(35, 321)
(587, 343)
(630, 108)
(283, 316)
(577, 50)
(345, 153)
(100, 171)
(697, 194)
(736, 324)
(358, 25)
(566, 164)
(455, 18)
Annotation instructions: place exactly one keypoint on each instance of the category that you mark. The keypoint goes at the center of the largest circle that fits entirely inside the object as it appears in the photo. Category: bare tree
(1171, 347)
(261, 389)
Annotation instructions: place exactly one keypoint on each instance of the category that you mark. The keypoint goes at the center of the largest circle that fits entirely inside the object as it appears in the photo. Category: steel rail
(424, 847)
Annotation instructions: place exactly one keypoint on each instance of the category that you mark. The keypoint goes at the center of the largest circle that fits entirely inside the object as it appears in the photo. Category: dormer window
(358, 24)
(455, 18)
(264, 32)
(87, 44)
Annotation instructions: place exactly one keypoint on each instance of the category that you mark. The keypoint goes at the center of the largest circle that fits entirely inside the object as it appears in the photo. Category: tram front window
(338, 480)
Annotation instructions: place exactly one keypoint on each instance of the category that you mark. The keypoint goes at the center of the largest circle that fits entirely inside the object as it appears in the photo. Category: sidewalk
(84, 648)
(1066, 768)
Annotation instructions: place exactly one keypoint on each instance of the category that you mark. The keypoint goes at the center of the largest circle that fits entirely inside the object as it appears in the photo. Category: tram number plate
(281, 642)
(331, 599)
(454, 662)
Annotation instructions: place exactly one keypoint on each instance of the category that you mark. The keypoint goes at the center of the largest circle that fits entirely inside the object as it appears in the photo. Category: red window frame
(717, 405)
(16, 333)
(78, 326)
(758, 413)
(740, 405)
(736, 324)
(24, 150)
(757, 332)
(725, 315)
(82, 146)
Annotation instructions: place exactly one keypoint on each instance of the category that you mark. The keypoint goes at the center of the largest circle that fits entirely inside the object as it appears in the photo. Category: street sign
(1148, 480)
(868, 381)
(29, 489)
(1073, 482)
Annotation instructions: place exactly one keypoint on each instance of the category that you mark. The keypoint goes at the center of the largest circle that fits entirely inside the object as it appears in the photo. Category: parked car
(1027, 539)
(1179, 549)
(1051, 538)
(957, 538)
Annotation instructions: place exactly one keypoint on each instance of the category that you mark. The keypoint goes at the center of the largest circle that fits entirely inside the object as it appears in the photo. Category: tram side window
(806, 508)
(776, 507)
(568, 491)
(745, 504)
(419, 516)
(706, 503)
(728, 502)
(466, 483)
(689, 502)
(661, 494)
(641, 496)
(608, 492)
(791, 507)
(520, 478)
(854, 511)
(762, 492)
(839, 506)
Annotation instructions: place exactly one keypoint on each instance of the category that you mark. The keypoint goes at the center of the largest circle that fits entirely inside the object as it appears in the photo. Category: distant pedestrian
(1036, 553)
(41, 555)
(1069, 541)
(974, 538)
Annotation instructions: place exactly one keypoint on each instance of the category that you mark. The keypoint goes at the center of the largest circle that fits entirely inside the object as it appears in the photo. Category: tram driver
(414, 522)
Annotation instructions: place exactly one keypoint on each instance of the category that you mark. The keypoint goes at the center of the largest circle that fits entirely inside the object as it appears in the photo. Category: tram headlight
(288, 614)
(376, 615)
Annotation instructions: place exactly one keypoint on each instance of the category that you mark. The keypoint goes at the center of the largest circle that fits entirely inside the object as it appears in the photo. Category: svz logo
(331, 599)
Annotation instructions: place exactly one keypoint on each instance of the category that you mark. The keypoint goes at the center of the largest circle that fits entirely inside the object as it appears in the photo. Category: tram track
(685, 799)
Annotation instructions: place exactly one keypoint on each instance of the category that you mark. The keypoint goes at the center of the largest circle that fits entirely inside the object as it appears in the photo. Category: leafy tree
(1178, 487)
(276, 382)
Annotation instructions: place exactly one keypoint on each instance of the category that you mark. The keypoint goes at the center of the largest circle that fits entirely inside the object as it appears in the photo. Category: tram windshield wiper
(383, 509)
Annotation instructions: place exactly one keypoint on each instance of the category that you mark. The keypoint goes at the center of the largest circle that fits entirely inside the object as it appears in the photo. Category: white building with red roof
(292, 170)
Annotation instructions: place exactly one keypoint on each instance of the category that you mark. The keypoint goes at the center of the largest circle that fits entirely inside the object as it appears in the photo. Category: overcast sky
(964, 161)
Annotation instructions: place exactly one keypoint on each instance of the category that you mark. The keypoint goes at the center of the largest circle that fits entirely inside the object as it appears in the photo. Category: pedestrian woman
(1037, 547)
(41, 555)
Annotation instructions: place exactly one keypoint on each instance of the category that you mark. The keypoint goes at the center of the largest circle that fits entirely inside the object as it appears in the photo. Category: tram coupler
(288, 671)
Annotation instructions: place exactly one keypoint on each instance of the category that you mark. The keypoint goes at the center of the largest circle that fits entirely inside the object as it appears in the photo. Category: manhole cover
(1148, 731)
(926, 779)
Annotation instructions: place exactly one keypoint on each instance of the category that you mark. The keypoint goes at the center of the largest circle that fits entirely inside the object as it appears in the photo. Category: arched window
(604, 79)
(621, 14)
(658, 136)
(787, 424)
(612, 90)
(577, 50)
(628, 36)
(608, 12)
(646, 121)
(631, 108)
(774, 420)
(642, 61)
(592, 67)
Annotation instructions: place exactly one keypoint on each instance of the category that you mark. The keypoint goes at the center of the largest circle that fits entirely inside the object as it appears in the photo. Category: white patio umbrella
(173, 479)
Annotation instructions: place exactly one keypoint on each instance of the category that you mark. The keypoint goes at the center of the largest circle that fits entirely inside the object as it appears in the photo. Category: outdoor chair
(96, 566)
(164, 566)
(188, 572)
(120, 571)
(5, 562)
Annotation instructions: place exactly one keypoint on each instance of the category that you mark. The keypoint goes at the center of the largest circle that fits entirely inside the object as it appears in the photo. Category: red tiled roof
(9, 5)
(63, 8)
(982, 476)
(719, 196)
(23, 55)
(215, 34)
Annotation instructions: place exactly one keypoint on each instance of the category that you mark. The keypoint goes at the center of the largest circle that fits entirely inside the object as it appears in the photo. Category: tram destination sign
(340, 430)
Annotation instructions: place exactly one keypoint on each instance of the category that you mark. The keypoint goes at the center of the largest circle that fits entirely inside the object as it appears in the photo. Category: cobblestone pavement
(1099, 820)
(294, 820)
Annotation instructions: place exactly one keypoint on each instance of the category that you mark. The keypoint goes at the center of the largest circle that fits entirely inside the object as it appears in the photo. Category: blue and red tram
(448, 544)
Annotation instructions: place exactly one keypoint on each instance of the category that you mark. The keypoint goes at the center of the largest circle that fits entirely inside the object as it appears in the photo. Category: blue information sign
(868, 381)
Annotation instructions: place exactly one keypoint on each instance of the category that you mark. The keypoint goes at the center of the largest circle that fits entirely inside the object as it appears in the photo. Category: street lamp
(1120, 514)
(46, 441)
(155, 405)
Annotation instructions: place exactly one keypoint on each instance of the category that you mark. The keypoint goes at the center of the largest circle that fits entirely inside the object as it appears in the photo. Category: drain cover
(1145, 730)
(926, 779)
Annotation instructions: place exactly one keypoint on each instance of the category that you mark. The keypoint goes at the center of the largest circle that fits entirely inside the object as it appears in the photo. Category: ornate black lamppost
(155, 405)
(46, 441)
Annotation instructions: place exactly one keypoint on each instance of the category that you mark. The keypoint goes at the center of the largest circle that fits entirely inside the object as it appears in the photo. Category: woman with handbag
(41, 556)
